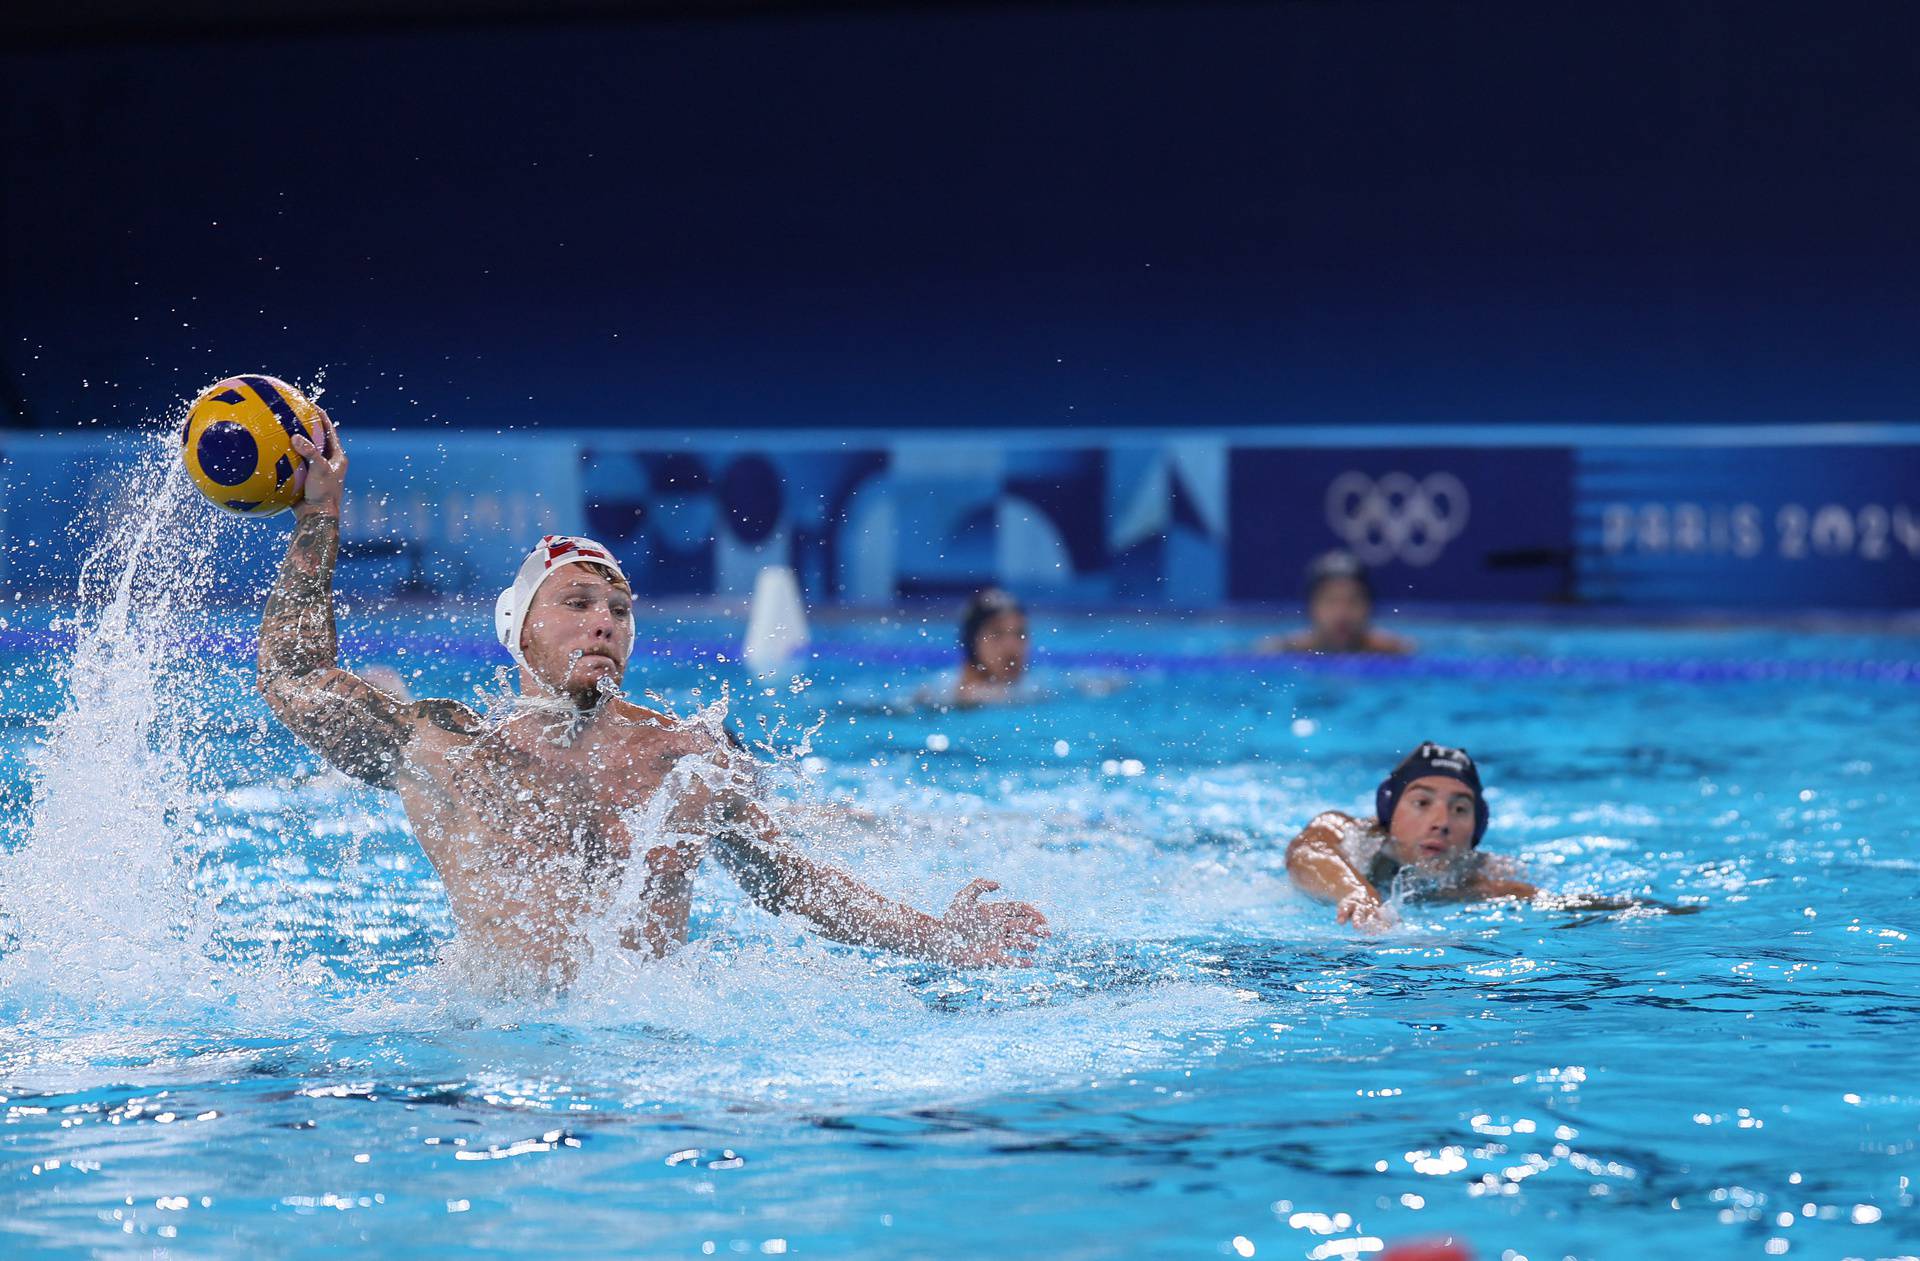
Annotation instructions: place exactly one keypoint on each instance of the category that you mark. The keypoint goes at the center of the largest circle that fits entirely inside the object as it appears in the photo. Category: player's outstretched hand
(1364, 913)
(991, 934)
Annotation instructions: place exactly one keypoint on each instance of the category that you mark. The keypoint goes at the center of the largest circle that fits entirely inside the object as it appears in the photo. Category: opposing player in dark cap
(1339, 612)
(1429, 819)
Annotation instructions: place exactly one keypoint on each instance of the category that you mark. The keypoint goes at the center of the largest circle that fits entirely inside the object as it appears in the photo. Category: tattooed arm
(345, 719)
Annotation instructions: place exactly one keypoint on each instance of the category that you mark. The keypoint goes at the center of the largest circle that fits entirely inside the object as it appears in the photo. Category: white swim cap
(553, 551)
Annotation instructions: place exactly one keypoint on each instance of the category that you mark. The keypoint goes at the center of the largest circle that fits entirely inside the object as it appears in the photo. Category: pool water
(225, 1033)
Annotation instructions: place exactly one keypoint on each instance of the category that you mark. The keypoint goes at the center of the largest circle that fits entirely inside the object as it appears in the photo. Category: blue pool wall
(1658, 517)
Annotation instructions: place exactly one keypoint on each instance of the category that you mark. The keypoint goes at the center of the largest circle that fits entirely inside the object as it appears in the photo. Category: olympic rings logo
(1397, 518)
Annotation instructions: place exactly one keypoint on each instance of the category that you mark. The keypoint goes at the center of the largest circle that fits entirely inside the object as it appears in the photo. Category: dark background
(771, 215)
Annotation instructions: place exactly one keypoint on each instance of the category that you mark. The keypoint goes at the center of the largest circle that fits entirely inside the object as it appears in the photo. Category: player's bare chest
(592, 774)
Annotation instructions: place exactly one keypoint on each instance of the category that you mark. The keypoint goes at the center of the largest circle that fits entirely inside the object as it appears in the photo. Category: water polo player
(1430, 816)
(1339, 612)
(534, 819)
(993, 648)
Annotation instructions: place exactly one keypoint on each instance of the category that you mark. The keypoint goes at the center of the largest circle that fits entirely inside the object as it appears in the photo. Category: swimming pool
(225, 1034)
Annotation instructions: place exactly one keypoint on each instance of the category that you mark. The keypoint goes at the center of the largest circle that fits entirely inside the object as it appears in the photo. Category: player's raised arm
(345, 719)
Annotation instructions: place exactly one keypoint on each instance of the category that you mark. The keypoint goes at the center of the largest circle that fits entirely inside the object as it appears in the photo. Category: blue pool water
(223, 1032)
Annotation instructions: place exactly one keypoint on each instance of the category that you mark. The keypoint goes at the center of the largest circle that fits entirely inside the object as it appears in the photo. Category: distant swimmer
(1430, 817)
(994, 646)
(576, 805)
(1339, 613)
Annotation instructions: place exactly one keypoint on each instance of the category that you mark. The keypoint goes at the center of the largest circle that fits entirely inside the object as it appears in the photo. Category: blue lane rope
(1605, 669)
(376, 645)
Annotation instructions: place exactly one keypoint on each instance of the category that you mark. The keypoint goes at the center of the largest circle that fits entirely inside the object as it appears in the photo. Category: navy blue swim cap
(983, 608)
(1338, 563)
(1431, 759)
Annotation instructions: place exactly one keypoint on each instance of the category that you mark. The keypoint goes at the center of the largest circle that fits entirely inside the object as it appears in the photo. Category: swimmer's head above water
(1339, 601)
(1429, 818)
(993, 638)
(568, 619)
(1432, 807)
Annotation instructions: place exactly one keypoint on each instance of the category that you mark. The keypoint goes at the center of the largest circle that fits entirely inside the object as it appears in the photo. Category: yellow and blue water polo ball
(238, 444)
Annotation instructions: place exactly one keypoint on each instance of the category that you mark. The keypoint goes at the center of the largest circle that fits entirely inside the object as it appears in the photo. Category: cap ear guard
(506, 622)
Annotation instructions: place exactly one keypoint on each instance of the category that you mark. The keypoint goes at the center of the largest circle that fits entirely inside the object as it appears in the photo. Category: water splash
(163, 898)
(97, 886)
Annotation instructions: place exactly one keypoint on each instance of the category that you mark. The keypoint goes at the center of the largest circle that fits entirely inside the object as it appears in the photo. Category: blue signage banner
(1431, 523)
(1750, 527)
(1180, 520)
(452, 515)
(423, 516)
